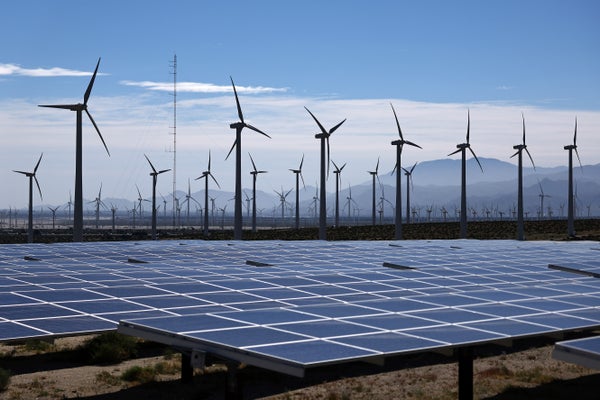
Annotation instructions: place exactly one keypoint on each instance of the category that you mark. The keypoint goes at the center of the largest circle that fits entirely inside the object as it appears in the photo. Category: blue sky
(341, 59)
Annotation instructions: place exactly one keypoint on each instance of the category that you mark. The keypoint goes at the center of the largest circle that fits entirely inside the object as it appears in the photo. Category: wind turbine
(323, 136)
(53, 211)
(98, 201)
(188, 199)
(349, 201)
(542, 195)
(79, 108)
(462, 148)
(571, 204)
(154, 174)
(374, 175)
(205, 175)
(382, 201)
(282, 198)
(520, 148)
(254, 174)
(238, 126)
(337, 172)
(408, 173)
(32, 177)
(399, 143)
(298, 173)
(140, 200)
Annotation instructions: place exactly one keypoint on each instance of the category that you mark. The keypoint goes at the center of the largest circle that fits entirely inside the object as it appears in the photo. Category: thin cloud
(200, 87)
(13, 69)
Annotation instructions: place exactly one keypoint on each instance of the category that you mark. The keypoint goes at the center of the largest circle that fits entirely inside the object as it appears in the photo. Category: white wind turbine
(32, 177)
(520, 148)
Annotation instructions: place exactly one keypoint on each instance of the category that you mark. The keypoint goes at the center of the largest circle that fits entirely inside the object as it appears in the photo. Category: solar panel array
(301, 303)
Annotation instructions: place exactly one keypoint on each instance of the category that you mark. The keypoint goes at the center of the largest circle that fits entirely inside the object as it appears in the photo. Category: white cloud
(13, 69)
(200, 87)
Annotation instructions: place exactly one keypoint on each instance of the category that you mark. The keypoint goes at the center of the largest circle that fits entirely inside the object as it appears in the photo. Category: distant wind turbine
(99, 203)
(188, 199)
(238, 126)
(542, 195)
(571, 203)
(462, 148)
(399, 143)
(520, 148)
(254, 174)
(298, 173)
(79, 108)
(32, 177)
(349, 202)
(323, 136)
(337, 172)
(408, 173)
(375, 176)
(206, 174)
(282, 199)
(154, 174)
(53, 211)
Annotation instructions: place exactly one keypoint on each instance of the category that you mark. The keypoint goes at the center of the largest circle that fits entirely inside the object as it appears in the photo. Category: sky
(433, 60)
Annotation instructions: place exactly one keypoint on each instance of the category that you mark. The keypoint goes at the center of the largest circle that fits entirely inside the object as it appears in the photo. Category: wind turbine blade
(230, 150)
(412, 144)
(328, 153)
(343, 167)
(256, 130)
(335, 166)
(476, 159)
(397, 123)
(337, 126)
(468, 124)
(413, 168)
(301, 162)
(253, 165)
(517, 152)
(98, 130)
(531, 158)
(237, 101)
(523, 117)
(208, 160)
(323, 131)
(62, 106)
(38, 186)
(578, 159)
(575, 133)
(454, 152)
(21, 172)
(405, 170)
(213, 178)
(163, 170)
(151, 166)
(38, 164)
(88, 91)
(377, 166)
(301, 177)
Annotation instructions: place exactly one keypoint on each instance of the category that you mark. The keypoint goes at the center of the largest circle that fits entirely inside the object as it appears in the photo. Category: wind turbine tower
(254, 174)
(520, 148)
(399, 143)
(32, 177)
(462, 148)
(337, 172)
(323, 136)
(154, 174)
(298, 173)
(571, 203)
(206, 174)
(79, 108)
(238, 126)
(408, 173)
(374, 175)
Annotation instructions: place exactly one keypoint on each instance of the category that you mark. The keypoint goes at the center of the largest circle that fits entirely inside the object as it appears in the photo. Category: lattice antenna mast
(174, 133)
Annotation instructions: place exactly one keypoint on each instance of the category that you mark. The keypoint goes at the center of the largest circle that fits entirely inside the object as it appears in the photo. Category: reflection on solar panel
(294, 305)
(584, 352)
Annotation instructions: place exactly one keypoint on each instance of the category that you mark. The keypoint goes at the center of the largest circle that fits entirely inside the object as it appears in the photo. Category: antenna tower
(174, 133)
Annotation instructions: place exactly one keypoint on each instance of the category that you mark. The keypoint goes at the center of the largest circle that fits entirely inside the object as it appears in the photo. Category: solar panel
(296, 305)
(585, 352)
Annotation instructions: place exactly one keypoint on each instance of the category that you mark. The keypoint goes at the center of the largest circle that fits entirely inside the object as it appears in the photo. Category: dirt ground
(529, 374)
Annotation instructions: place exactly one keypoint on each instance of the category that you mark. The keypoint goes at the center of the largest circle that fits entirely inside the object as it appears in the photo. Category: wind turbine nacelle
(236, 125)
(397, 142)
(321, 136)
